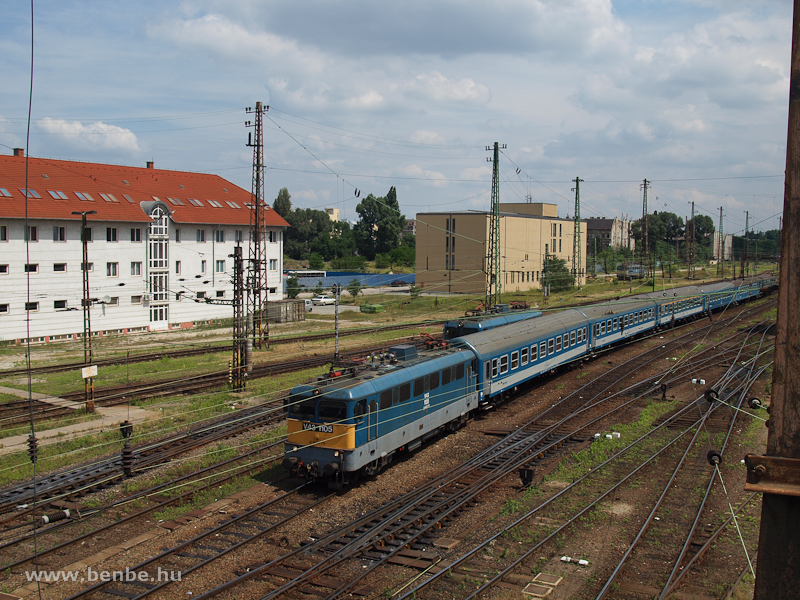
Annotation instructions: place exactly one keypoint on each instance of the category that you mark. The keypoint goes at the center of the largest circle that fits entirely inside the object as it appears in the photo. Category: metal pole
(336, 310)
(88, 390)
(778, 570)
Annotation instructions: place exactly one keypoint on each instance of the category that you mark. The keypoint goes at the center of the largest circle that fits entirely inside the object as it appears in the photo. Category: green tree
(558, 276)
(354, 287)
(315, 261)
(318, 288)
(306, 226)
(283, 203)
(292, 287)
(380, 225)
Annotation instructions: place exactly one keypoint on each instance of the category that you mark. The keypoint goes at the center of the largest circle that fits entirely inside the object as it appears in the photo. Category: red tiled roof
(116, 193)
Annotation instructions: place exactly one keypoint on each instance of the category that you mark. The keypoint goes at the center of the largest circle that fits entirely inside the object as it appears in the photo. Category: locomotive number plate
(315, 427)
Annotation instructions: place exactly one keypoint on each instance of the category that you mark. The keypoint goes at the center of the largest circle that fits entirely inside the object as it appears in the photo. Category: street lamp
(87, 319)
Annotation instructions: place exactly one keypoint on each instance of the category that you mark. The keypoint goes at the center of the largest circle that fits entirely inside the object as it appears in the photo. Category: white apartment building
(159, 244)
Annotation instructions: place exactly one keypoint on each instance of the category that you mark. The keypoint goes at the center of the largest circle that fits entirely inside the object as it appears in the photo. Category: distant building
(452, 247)
(411, 227)
(333, 214)
(727, 247)
(614, 233)
(159, 246)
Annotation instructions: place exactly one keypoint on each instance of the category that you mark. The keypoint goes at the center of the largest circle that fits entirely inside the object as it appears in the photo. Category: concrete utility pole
(746, 271)
(721, 251)
(577, 265)
(778, 570)
(645, 248)
(692, 248)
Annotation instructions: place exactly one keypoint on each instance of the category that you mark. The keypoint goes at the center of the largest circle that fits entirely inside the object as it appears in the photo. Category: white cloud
(426, 137)
(435, 86)
(415, 171)
(93, 136)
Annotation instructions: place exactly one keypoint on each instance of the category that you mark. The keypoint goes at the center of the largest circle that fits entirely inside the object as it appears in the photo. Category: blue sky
(690, 94)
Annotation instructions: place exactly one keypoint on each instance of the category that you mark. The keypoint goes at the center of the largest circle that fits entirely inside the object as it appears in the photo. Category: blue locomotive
(346, 425)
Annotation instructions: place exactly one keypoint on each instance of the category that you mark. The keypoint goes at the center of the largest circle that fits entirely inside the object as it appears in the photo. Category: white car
(323, 300)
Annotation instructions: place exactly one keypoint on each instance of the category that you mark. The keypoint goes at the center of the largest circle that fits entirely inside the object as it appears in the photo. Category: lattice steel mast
(576, 240)
(493, 287)
(644, 251)
(257, 297)
(239, 322)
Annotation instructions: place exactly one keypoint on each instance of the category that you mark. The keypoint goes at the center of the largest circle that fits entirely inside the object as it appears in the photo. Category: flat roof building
(159, 245)
(452, 247)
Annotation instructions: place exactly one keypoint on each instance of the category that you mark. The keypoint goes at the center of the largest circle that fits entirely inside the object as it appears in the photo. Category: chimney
(149, 164)
(19, 152)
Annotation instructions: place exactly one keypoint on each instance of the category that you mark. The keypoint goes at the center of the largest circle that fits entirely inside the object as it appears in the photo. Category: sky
(691, 95)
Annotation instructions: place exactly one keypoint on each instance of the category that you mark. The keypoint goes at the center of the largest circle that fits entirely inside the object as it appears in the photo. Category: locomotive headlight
(294, 448)
(336, 453)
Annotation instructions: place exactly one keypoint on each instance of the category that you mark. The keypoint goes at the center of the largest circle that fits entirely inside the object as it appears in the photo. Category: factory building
(452, 247)
(159, 245)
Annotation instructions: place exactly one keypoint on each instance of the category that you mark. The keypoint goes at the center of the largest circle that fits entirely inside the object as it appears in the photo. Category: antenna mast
(257, 297)
(493, 287)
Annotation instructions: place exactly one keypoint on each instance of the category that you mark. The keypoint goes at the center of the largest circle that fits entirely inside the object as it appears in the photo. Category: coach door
(372, 420)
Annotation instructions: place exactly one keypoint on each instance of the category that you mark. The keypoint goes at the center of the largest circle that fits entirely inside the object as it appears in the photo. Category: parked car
(398, 283)
(323, 300)
(309, 305)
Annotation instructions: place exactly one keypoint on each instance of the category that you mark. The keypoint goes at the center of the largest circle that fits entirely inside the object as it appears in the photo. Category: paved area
(111, 417)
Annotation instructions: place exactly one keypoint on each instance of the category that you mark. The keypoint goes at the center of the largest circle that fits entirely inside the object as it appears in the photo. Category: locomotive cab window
(524, 356)
(331, 410)
(514, 360)
(304, 410)
(359, 408)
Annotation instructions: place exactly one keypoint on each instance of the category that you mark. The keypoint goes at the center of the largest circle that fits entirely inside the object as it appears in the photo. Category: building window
(219, 236)
(87, 267)
(29, 193)
(87, 234)
(112, 269)
(136, 235)
(136, 269)
(220, 293)
(114, 301)
(452, 225)
(60, 267)
(203, 267)
(452, 262)
(32, 234)
(201, 235)
(178, 267)
(3, 233)
(59, 234)
(273, 236)
(32, 306)
(136, 299)
(453, 245)
(447, 244)
(220, 266)
(273, 264)
(238, 235)
(178, 235)
(273, 290)
(111, 234)
(32, 268)
(3, 269)
(201, 295)
(3, 309)
(60, 304)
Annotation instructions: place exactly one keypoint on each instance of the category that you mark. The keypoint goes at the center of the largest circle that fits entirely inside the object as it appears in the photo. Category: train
(467, 326)
(354, 422)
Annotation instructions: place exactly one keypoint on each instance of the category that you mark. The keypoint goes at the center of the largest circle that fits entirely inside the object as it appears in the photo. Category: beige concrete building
(452, 247)
(333, 214)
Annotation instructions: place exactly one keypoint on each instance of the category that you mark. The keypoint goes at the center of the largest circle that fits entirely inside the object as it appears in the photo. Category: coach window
(566, 341)
(434, 380)
(459, 368)
(551, 346)
(405, 392)
(534, 353)
(572, 338)
(608, 326)
(446, 376)
(542, 349)
(504, 364)
(558, 344)
(602, 328)
(494, 367)
(418, 386)
(524, 356)
(386, 399)
(514, 360)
